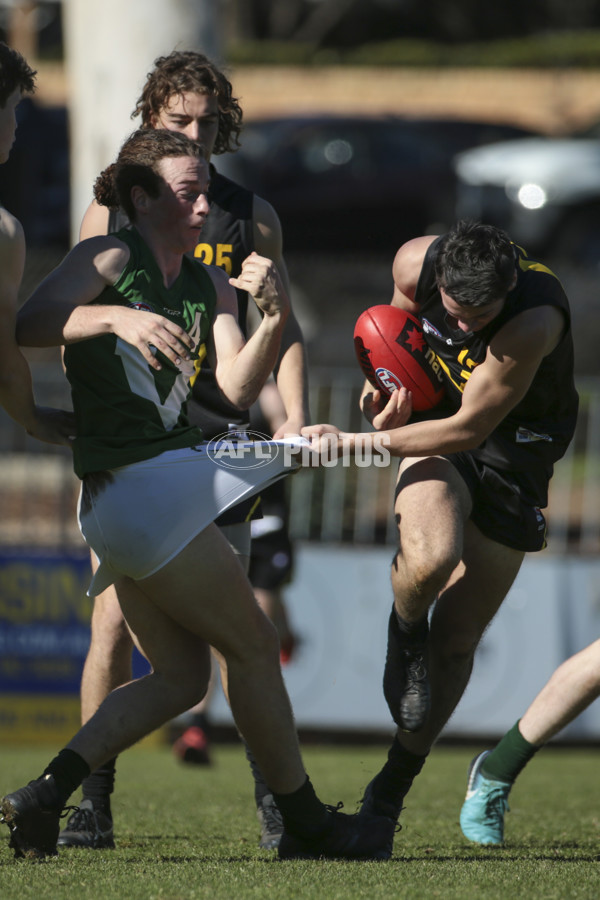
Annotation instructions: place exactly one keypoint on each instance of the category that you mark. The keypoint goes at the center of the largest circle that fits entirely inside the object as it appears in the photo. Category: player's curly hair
(137, 165)
(183, 71)
(14, 73)
(475, 263)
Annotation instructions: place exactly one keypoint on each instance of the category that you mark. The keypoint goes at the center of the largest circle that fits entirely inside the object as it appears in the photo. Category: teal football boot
(486, 802)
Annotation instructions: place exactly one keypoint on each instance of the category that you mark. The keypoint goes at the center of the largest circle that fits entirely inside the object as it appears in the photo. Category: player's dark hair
(475, 264)
(14, 73)
(184, 71)
(137, 165)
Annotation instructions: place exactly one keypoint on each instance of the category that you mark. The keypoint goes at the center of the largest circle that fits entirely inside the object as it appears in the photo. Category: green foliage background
(546, 50)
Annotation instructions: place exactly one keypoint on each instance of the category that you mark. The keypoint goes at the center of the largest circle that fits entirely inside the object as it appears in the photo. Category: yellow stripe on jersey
(464, 372)
(253, 509)
(526, 264)
(202, 351)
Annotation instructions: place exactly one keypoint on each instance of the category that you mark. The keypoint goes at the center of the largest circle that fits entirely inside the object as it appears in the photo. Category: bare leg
(432, 505)
(272, 604)
(463, 611)
(570, 690)
(238, 537)
(225, 616)
(108, 662)
(572, 687)
(442, 554)
(180, 673)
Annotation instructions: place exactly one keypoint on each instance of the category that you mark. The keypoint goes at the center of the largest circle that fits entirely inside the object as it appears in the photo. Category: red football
(392, 352)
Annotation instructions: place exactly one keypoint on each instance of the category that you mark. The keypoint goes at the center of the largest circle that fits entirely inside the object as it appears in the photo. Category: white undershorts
(146, 513)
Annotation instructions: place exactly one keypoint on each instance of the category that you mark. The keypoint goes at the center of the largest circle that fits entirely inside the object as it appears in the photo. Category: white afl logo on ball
(388, 380)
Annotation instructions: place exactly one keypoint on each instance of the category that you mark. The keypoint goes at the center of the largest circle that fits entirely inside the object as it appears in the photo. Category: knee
(427, 568)
(264, 643)
(257, 643)
(186, 678)
(191, 695)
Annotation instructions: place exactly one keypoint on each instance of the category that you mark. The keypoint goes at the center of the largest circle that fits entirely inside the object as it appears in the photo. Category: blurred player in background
(474, 473)
(271, 551)
(16, 390)
(185, 92)
(570, 690)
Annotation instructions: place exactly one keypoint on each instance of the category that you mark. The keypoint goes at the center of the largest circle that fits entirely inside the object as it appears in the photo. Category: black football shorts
(500, 510)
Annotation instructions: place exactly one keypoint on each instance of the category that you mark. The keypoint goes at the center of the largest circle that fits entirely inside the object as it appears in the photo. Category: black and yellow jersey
(537, 431)
(226, 240)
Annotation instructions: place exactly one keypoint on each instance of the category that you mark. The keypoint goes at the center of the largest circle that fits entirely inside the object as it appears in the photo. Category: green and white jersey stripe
(125, 410)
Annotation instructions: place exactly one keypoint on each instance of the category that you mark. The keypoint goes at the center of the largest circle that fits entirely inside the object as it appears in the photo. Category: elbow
(241, 397)
(238, 403)
(240, 389)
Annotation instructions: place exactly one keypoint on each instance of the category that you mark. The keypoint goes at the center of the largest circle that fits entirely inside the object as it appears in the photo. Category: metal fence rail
(342, 504)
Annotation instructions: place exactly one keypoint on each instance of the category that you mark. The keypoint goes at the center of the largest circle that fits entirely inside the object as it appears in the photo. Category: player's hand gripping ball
(392, 352)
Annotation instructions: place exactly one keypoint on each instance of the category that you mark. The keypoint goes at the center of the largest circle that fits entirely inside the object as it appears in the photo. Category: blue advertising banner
(44, 622)
(44, 638)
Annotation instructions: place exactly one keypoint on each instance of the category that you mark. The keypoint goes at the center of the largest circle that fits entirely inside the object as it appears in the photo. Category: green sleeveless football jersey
(125, 410)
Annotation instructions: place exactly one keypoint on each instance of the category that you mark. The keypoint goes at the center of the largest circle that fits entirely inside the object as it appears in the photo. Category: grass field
(185, 832)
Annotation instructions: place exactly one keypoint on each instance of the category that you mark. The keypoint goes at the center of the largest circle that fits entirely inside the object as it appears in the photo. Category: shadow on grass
(497, 856)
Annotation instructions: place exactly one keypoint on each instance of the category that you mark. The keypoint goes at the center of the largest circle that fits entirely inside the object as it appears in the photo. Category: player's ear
(139, 198)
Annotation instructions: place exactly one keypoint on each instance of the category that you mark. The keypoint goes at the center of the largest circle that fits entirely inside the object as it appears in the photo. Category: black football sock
(416, 631)
(260, 786)
(99, 785)
(393, 782)
(302, 812)
(68, 769)
(509, 757)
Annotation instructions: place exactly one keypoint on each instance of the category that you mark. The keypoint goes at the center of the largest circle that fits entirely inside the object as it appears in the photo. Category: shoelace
(496, 804)
(68, 809)
(415, 664)
(272, 818)
(334, 809)
(82, 819)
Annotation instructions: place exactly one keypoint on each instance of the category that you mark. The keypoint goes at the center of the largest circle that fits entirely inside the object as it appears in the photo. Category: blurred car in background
(357, 184)
(544, 191)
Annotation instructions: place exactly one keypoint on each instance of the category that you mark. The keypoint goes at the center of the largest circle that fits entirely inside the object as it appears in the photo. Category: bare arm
(493, 389)
(291, 367)
(94, 222)
(242, 367)
(16, 389)
(58, 311)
